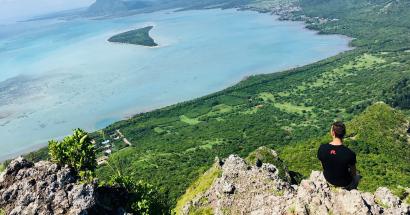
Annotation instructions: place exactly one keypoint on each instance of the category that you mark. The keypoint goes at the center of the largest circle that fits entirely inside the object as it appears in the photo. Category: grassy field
(190, 121)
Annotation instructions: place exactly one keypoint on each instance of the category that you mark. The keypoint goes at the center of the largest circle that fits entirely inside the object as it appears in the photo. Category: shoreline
(135, 45)
(23, 152)
(235, 81)
(129, 114)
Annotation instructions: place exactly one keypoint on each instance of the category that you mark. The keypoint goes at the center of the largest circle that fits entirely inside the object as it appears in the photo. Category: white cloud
(19, 9)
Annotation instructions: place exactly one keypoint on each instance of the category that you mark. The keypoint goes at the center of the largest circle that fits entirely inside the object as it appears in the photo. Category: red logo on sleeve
(332, 152)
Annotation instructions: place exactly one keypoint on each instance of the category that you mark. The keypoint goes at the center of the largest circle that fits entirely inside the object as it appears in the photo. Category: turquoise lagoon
(57, 75)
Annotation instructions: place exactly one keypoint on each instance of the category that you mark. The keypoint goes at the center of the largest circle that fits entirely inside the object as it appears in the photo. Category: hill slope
(176, 144)
(380, 139)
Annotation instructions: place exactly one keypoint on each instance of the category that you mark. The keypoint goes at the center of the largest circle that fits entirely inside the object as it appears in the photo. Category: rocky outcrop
(245, 189)
(46, 188)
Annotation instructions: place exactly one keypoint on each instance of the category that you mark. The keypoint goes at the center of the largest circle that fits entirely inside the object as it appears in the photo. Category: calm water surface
(59, 75)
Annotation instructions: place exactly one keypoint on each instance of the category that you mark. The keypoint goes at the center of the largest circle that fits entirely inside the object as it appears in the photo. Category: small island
(136, 37)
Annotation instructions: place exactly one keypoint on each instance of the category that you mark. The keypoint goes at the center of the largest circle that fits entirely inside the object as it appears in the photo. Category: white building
(107, 152)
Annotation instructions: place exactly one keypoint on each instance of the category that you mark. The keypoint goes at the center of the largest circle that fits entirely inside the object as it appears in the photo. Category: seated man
(338, 161)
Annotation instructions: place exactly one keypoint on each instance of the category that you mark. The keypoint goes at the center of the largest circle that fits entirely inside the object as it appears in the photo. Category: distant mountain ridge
(106, 7)
(130, 7)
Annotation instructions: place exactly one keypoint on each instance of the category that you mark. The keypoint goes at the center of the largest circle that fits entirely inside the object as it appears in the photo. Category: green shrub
(76, 151)
(144, 198)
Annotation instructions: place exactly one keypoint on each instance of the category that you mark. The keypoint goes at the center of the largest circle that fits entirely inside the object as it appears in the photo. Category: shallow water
(59, 75)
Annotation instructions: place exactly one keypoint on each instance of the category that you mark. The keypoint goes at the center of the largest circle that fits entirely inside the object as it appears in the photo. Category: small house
(107, 152)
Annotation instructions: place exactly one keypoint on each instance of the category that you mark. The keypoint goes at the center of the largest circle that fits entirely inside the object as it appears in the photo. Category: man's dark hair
(339, 129)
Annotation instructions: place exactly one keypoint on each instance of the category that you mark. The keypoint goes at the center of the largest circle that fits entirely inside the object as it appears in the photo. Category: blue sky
(12, 10)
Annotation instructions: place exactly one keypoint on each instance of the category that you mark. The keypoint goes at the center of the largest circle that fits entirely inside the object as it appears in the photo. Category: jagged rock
(218, 161)
(17, 164)
(258, 163)
(268, 156)
(46, 188)
(244, 189)
(228, 188)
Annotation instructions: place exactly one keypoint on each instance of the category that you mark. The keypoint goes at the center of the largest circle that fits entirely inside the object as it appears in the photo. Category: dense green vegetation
(41, 154)
(401, 98)
(176, 144)
(289, 111)
(319, 93)
(380, 25)
(137, 37)
(380, 139)
(142, 198)
(78, 152)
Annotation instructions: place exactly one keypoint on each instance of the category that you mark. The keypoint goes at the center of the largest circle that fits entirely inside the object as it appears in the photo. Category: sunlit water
(59, 75)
